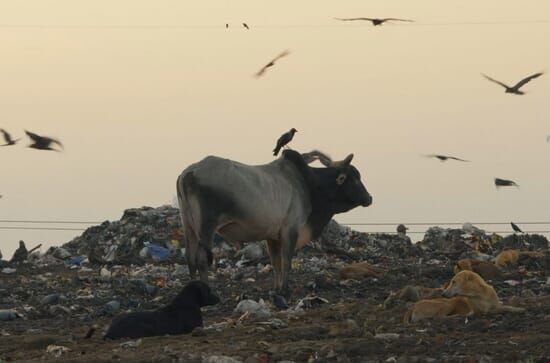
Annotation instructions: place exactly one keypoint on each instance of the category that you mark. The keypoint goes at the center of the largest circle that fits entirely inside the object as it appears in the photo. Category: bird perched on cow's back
(284, 140)
(516, 228)
(7, 137)
(42, 142)
(505, 183)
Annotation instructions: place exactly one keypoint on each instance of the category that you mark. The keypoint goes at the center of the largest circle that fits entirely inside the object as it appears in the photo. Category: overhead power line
(47, 222)
(42, 228)
(82, 229)
(258, 26)
(34, 221)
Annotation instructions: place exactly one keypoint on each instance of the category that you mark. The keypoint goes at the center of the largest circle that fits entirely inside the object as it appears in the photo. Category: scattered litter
(131, 344)
(311, 302)
(6, 315)
(57, 350)
(253, 308)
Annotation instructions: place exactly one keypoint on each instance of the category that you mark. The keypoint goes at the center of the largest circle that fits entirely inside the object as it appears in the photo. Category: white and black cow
(286, 202)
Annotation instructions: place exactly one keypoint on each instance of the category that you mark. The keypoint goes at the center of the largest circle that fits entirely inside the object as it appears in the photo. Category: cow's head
(350, 191)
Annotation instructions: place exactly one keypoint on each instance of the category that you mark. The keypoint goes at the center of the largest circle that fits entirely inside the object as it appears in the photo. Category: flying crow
(42, 142)
(445, 157)
(505, 183)
(516, 228)
(271, 63)
(374, 21)
(515, 89)
(8, 138)
(246, 26)
(284, 140)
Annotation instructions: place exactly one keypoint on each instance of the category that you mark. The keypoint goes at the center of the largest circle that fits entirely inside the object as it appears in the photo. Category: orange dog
(510, 257)
(485, 269)
(438, 308)
(360, 270)
(481, 296)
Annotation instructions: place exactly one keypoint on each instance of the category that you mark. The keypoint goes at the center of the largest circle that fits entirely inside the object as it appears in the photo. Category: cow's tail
(187, 192)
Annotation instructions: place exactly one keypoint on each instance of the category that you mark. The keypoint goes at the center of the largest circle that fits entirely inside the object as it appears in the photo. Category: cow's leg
(287, 252)
(204, 253)
(191, 255)
(274, 248)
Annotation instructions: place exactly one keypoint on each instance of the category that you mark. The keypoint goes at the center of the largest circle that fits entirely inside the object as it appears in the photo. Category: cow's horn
(347, 160)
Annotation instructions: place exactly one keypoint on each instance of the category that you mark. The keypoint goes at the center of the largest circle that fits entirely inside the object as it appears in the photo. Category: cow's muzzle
(367, 201)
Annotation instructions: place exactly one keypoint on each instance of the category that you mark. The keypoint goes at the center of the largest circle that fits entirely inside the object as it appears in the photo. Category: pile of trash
(141, 234)
(345, 285)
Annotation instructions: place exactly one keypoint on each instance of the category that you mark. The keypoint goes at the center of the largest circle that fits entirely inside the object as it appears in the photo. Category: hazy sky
(134, 106)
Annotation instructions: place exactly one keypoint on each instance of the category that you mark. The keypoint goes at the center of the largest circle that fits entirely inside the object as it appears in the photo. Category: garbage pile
(140, 235)
(344, 287)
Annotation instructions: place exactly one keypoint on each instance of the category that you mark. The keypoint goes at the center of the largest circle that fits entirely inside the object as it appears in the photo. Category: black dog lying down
(181, 316)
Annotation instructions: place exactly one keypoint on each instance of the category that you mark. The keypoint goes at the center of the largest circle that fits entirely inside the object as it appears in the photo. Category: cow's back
(265, 196)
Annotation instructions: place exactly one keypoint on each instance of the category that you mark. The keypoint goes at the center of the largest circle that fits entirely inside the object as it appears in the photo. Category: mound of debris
(141, 234)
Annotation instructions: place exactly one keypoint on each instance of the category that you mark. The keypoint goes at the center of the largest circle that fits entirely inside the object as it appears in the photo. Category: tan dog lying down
(481, 296)
(485, 269)
(438, 308)
(510, 257)
(360, 270)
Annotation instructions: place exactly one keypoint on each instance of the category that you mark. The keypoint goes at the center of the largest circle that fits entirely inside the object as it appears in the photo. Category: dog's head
(464, 283)
(196, 293)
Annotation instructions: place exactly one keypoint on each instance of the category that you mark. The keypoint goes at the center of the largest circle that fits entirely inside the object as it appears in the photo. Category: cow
(286, 202)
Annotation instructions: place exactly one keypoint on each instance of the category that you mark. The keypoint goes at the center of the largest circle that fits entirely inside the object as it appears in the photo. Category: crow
(515, 89)
(401, 229)
(516, 228)
(7, 137)
(284, 140)
(505, 183)
(445, 157)
(271, 63)
(42, 142)
(374, 21)
(246, 26)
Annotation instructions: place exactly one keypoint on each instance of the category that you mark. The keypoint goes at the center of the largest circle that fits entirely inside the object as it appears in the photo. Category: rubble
(253, 308)
(137, 264)
(6, 315)
(120, 242)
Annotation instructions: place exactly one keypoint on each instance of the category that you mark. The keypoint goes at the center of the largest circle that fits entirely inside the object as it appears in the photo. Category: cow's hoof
(280, 302)
(285, 292)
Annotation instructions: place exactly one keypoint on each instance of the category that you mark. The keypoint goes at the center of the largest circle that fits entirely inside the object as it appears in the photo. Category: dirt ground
(352, 327)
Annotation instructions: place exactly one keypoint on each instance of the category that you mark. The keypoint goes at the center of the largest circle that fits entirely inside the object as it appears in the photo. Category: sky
(139, 89)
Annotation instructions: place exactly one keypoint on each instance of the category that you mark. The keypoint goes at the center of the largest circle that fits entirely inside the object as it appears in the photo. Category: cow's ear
(341, 178)
(347, 161)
